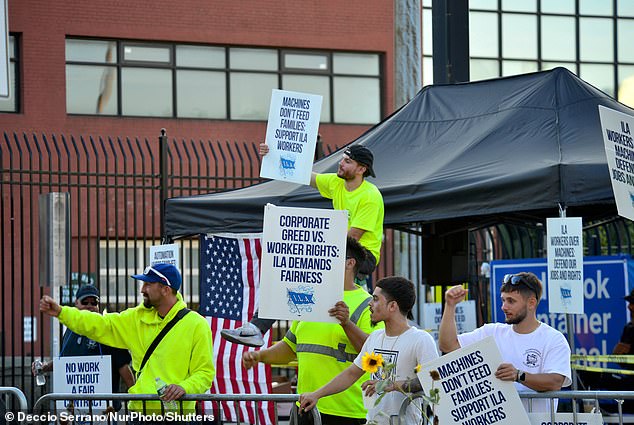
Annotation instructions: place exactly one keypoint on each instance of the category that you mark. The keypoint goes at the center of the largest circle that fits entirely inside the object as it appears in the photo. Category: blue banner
(605, 281)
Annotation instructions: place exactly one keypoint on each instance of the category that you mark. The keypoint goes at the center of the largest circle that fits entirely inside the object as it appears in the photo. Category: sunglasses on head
(515, 280)
(87, 302)
(149, 269)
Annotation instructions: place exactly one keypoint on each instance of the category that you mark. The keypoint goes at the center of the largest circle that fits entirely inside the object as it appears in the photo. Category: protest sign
(470, 394)
(167, 254)
(619, 149)
(465, 317)
(82, 375)
(565, 264)
(303, 260)
(291, 135)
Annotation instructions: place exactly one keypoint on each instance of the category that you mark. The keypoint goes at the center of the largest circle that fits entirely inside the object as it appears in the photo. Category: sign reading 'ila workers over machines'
(565, 264)
(303, 261)
(291, 135)
(617, 130)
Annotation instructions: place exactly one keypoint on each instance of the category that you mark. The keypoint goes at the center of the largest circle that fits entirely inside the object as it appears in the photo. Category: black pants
(307, 419)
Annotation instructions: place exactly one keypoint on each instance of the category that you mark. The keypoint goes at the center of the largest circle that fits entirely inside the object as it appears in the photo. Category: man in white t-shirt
(536, 356)
(399, 344)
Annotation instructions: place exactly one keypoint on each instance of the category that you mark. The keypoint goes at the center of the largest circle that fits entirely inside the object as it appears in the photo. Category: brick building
(94, 82)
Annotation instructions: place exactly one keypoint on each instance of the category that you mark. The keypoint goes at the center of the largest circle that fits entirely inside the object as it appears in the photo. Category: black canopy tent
(464, 154)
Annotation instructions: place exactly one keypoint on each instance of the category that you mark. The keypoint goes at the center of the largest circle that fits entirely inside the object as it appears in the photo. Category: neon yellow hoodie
(184, 356)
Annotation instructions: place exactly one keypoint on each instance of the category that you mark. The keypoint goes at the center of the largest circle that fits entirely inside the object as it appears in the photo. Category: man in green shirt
(323, 350)
(350, 191)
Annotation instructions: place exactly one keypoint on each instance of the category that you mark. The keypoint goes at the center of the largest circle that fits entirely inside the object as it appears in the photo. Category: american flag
(229, 281)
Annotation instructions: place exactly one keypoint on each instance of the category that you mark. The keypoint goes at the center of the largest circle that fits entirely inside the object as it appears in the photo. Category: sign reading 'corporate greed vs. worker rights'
(470, 394)
(303, 259)
(291, 135)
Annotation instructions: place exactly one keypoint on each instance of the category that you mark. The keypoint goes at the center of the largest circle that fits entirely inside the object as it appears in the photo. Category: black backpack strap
(160, 336)
(356, 314)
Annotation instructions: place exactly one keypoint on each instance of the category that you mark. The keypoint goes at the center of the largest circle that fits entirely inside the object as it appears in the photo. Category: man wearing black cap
(350, 191)
(73, 344)
(183, 358)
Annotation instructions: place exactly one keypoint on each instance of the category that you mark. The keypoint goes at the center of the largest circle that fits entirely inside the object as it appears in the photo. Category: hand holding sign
(291, 136)
(470, 394)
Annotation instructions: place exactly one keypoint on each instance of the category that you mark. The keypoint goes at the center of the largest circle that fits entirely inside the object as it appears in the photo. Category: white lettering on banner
(604, 285)
(596, 288)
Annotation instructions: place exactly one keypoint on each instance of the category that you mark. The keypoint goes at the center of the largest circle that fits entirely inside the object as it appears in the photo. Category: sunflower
(417, 368)
(371, 362)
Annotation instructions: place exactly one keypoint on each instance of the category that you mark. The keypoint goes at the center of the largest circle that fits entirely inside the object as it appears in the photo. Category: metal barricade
(576, 397)
(8, 410)
(44, 408)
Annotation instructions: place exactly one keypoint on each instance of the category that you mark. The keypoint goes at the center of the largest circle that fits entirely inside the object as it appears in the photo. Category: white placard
(303, 260)
(82, 375)
(29, 325)
(469, 391)
(565, 264)
(291, 135)
(5, 84)
(619, 149)
(565, 419)
(465, 317)
(167, 254)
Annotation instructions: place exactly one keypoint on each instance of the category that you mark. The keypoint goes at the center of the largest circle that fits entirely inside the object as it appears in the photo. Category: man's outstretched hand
(49, 306)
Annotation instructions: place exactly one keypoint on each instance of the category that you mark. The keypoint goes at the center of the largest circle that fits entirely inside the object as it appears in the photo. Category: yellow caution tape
(612, 358)
(602, 369)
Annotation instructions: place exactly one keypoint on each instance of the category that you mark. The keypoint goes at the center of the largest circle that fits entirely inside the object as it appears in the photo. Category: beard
(517, 319)
(342, 175)
(147, 303)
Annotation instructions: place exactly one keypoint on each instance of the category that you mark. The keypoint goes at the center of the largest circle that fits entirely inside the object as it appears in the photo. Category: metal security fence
(117, 186)
(209, 408)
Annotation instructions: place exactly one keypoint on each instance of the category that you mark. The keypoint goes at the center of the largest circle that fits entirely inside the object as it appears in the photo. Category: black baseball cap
(87, 291)
(363, 156)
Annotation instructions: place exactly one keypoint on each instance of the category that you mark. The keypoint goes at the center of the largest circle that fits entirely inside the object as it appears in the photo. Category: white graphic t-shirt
(545, 350)
(407, 350)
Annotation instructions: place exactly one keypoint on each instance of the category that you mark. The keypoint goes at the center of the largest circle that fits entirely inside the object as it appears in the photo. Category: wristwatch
(521, 376)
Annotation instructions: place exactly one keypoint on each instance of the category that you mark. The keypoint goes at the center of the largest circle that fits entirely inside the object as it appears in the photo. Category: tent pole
(570, 325)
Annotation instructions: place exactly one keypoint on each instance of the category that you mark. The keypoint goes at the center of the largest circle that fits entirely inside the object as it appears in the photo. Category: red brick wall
(43, 25)
(355, 25)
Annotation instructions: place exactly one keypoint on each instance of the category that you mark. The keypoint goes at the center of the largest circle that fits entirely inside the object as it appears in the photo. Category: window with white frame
(129, 78)
(10, 104)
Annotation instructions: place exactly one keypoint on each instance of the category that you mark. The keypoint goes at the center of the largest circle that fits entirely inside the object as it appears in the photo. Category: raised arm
(447, 332)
